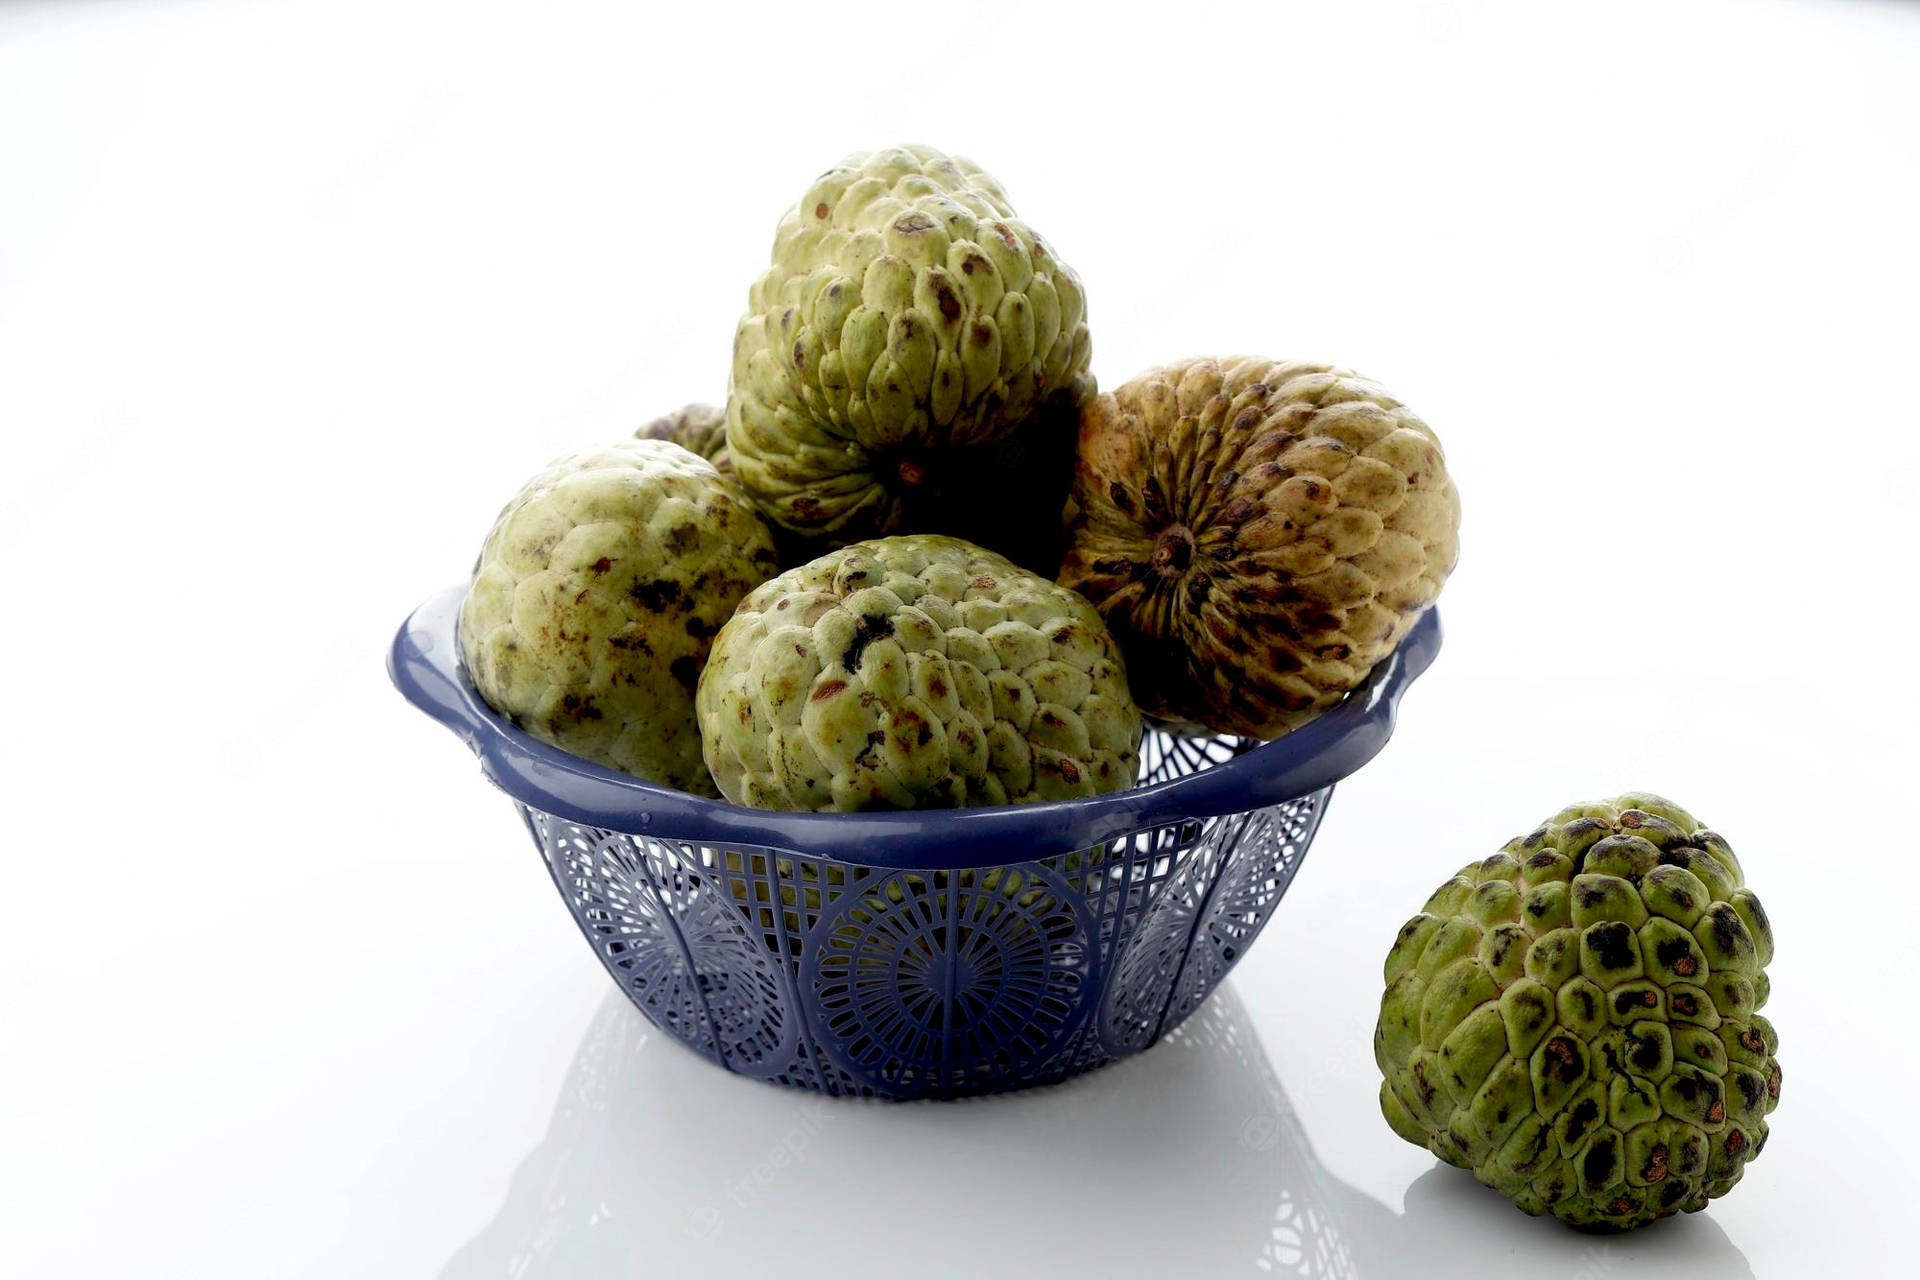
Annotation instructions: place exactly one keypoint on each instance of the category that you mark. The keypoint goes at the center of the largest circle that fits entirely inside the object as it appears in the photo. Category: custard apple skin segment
(906, 313)
(1257, 534)
(596, 599)
(697, 428)
(1576, 1018)
(917, 671)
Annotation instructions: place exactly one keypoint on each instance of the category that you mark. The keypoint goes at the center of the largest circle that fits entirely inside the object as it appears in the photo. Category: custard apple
(907, 319)
(917, 671)
(1576, 1019)
(698, 428)
(1257, 534)
(597, 596)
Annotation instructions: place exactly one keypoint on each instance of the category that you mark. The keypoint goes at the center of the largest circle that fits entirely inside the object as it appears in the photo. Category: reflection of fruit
(697, 428)
(597, 596)
(1575, 1019)
(907, 318)
(917, 671)
(1257, 534)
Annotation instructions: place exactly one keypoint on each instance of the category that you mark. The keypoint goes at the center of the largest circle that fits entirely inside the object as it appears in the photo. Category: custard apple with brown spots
(917, 671)
(697, 428)
(1576, 1019)
(908, 320)
(596, 599)
(1258, 535)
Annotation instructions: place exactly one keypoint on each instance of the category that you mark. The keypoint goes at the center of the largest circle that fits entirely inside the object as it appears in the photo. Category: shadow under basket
(932, 953)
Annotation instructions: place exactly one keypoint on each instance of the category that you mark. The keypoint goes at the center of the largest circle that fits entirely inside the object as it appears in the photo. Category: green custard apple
(917, 671)
(597, 597)
(907, 322)
(698, 428)
(1258, 534)
(1576, 1018)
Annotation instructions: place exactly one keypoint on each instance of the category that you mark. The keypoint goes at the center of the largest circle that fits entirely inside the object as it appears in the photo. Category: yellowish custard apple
(1258, 534)
(596, 599)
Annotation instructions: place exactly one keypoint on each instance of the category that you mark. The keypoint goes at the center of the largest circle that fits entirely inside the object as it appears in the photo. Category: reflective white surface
(292, 296)
(1187, 1161)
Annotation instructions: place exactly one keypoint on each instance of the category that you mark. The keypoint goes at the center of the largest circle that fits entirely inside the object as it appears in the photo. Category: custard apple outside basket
(932, 953)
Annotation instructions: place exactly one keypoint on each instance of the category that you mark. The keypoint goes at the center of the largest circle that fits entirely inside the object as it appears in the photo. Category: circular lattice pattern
(949, 967)
(911, 984)
(675, 944)
(1255, 874)
(1166, 755)
(1150, 960)
(745, 992)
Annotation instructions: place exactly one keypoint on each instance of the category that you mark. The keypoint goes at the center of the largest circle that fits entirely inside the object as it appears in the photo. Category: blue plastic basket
(931, 953)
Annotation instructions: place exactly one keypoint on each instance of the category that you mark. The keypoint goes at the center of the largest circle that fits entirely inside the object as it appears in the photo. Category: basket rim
(424, 664)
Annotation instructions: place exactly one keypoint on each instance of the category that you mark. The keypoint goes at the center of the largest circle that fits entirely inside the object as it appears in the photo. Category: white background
(293, 295)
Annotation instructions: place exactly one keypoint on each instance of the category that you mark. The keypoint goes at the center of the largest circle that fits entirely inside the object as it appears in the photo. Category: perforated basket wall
(911, 955)
(857, 979)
